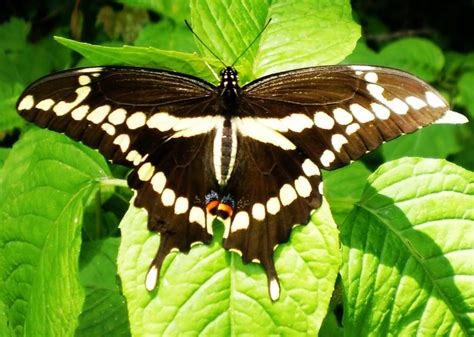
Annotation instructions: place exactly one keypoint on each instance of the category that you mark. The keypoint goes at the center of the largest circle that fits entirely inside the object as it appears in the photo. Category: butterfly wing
(124, 112)
(159, 123)
(335, 114)
(293, 124)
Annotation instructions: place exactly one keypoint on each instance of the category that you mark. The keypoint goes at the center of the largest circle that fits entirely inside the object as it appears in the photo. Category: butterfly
(250, 156)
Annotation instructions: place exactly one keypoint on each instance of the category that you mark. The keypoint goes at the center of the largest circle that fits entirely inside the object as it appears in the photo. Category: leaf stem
(113, 182)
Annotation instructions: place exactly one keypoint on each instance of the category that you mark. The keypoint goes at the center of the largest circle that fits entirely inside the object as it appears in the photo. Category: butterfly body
(250, 156)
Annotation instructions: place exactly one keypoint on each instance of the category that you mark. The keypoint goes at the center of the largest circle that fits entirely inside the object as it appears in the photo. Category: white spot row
(26, 103)
(294, 122)
(63, 107)
(168, 197)
(287, 195)
(253, 128)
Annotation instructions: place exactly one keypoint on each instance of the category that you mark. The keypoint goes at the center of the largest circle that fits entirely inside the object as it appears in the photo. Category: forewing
(159, 123)
(335, 114)
(124, 112)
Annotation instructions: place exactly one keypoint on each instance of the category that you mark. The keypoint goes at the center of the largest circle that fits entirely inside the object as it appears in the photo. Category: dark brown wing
(123, 112)
(172, 183)
(275, 189)
(159, 123)
(335, 114)
(293, 124)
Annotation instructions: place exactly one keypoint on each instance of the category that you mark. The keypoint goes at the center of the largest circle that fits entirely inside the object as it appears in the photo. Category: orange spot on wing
(211, 207)
(225, 211)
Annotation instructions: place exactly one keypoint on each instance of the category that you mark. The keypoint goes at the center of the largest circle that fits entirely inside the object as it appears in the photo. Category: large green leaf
(44, 186)
(306, 33)
(215, 23)
(4, 152)
(302, 33)
(209, 292)
(407, 252)
(144, 57)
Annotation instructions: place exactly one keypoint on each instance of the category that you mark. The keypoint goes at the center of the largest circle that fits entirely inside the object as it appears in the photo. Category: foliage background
(406, 245)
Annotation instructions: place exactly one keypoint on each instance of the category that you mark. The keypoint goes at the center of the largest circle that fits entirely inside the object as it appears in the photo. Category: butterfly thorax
(229, 90)
(225, 139)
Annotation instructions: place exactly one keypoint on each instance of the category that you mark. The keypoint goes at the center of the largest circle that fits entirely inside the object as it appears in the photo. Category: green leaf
(167, 35)
(465, 95)
(144, 57)
(44, 185)
(18, 67)
(407, 252)
(303, 33)
(435, 141)
(209, 291)
(306, 33)
(415, 55)
(331, 24)
(4, 152)
(105, 311)
(362, 54)
(13, 34)
(331, 327)
(213, 22)
(176, 9)
(465, 157)
(343, 188)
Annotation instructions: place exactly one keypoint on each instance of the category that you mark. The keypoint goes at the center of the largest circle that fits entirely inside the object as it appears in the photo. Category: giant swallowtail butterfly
(250, 156)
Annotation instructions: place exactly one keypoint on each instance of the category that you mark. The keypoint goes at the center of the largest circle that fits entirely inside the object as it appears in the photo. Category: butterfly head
(229, 81)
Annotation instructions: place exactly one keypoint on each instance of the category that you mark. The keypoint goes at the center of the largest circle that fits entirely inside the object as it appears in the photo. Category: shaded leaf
(18, 67)
(435, 141)
(465, 95)
(13, 34)
(418, 56)
(176, 9)
(105, 310)
(343, 188)
(167, 35)
(415, 55)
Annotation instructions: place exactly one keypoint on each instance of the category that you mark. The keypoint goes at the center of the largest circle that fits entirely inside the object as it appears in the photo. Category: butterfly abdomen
(224, 151)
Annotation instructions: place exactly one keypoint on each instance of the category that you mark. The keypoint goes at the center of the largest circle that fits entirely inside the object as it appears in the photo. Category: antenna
(205, 45)
(251, 43)
(241, 54)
